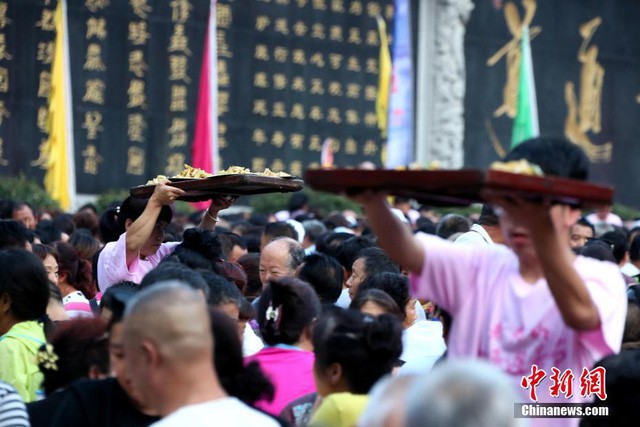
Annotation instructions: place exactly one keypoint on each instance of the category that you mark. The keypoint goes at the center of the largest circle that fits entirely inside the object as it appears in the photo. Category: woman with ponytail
(286, 311)
(352, 351)
(75, 281)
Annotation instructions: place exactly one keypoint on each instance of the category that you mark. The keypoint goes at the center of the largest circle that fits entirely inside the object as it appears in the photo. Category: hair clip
(47, 358)
(117, 209)
(272, 313)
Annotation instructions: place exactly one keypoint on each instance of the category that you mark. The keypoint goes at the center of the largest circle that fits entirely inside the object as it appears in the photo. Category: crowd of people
(139, 315)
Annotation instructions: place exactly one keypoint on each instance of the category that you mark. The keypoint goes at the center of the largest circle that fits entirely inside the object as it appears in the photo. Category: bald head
(280, 258)
(174, 319)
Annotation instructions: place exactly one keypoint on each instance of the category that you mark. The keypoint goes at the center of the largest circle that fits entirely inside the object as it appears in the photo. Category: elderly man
(169, 348)
(280, 258)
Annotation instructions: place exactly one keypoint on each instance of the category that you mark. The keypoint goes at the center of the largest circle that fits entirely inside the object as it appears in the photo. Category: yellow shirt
(18, 364)
(339, 410)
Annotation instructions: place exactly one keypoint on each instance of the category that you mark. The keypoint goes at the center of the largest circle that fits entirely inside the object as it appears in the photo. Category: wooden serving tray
(458, 187)
(232, 184)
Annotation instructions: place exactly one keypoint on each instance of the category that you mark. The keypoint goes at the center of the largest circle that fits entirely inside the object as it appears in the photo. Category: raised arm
(139, 232)
(210, 218)
(548, 227)
(393, 236)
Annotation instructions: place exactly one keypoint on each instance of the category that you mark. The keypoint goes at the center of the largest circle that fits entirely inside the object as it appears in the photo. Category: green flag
(525, 124)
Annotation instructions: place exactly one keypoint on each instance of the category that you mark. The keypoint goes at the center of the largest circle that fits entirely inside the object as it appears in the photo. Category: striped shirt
(13, 413)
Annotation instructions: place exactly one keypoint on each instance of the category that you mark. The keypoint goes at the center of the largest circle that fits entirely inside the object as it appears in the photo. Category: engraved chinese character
(136, 63)
(94, 91)
(45, 52)
(175, 164)
(178, 132)
(301, 3)
(372, 38)
(96, 27)
(4, 21)
(279, 110)
(297, 111)
(372, 66)
(315, 113)
(136, 125)
(353, 90)
(333, 115)
(137, 95)
(4, 113)
(296, 168)
(353, 118)
(223, 15)
(335, 89)
(353, 64)
(259, 137)
(44, 85)
(370, 119)
(278, 139)
(96, 5)
(91, 159)
(370, 148)
(317, 31)
(335, 33)
(319, 4)
(281, 26)
(180, 11)
(532, 381)
(262, 52)
(43, 115)
(135, 161)
(222, 141)
(223, 47)
(298, 57)
(388, 11)
(370, 93)
(280, 54)
(223, 74)
(300, 29)
(92, 123)
(4, 80)
(43, 155)
(93, 58)
(260, 107)
(354, 36)
(298, 84)
(47, 20)
(282, 2)
(279, 81)
(277, 165)
(351, 146)
(317, 87)
(260, 80)
(3, 48)
(335, 60)
(178, 98)
(178, 66)
(317, 59)
(262, 22)
(296, 140)
(138, 34)
(223, 103)
(315, 144)
(140, 8)
(258, 163)
(179, 42)
(337, 6)
(373, 9)
(355, 8)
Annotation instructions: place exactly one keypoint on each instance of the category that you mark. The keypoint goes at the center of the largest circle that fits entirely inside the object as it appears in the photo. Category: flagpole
(70, 147)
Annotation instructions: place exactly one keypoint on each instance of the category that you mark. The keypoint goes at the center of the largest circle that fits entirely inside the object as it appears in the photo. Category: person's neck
(190, 386)
(66, 289)
(530, 270)
(494, 232)
(304, 344)
(6, 323)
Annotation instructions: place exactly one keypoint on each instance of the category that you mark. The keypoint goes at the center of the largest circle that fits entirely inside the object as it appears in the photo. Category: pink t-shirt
(290, 371)
(112, 263)
(77, 305)
(499, 317)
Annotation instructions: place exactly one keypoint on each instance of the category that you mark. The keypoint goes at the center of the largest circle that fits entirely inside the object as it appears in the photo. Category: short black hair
(597, 249)
(324, 274)
(13, 234)
(555, 156)
(228, 240)
(634, 249)
(378, 297)
(619, 244)
(366, 348)
(488, 216)
(48, 232)
(350, 248)
(273, 230)
(221, 290)
(585, 223)
(393, 284)
(24, 279)
(377, 261)
(173, 271)
(199, 249)
(330, 243)
(451, 224)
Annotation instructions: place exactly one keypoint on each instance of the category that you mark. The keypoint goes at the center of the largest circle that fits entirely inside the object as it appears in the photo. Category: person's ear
(127, 223)
(5, 303)
(150, 353)
(334, 373)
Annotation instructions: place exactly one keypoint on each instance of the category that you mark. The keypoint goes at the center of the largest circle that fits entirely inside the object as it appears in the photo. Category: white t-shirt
(422, 346)
(228, 412)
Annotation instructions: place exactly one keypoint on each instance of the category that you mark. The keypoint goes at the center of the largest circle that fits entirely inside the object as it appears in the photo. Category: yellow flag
(384, 78)
(56, 179)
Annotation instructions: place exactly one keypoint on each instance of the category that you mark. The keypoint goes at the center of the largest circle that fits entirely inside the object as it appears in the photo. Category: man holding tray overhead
(528, 308)
(142, 222)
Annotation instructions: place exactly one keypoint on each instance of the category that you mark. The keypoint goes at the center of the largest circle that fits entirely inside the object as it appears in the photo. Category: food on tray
(268, 172)
(191, 172)
(195, 173)
(157, 180)
(522, 167)
(234, 170)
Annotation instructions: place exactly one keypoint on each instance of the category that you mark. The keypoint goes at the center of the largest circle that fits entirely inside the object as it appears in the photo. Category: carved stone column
(441, 82)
